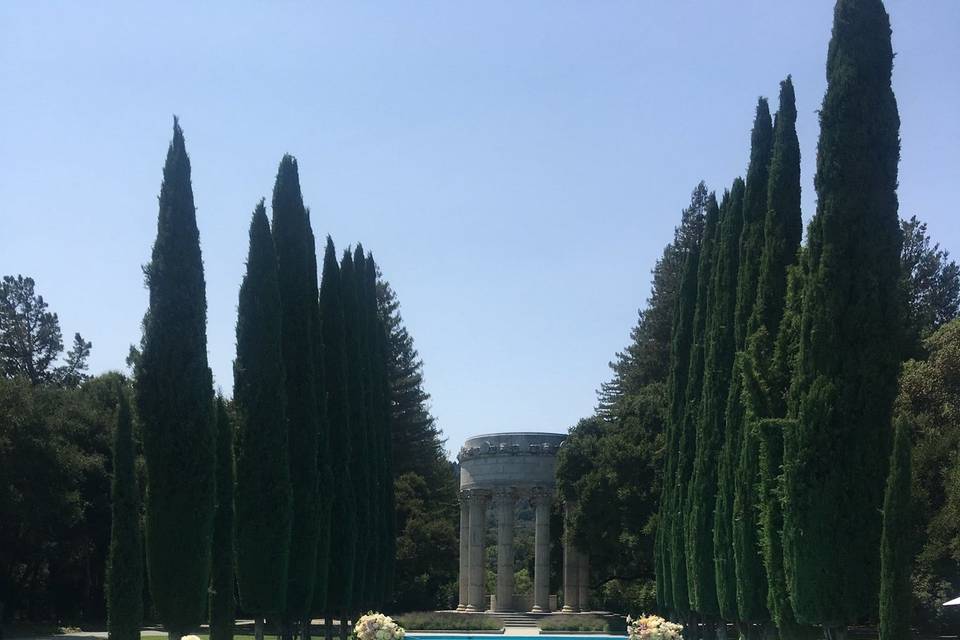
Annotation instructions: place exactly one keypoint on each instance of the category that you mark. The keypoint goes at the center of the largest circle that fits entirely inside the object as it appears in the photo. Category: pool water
(424, 635)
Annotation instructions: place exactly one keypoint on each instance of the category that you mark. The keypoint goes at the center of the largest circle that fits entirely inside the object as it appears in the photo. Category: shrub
(561, 622)
(439, 621)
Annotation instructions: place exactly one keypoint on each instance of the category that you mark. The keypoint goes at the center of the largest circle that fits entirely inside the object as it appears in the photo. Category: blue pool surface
(424, 635)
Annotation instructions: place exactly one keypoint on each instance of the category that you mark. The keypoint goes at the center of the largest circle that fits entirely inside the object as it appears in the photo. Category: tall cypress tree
(296, 260)
(704, 570)
(895, 552)
(676, 396)
(850, 332)
(343, 515)
(741, 497)
(380, 403)
(357, 365)
(324, 461)
(175, 399)
(264, 494)
(125, 562)
(764, 389)
(367, 313)
(222, 605)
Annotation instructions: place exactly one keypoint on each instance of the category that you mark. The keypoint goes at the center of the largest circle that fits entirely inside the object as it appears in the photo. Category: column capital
(504, 495)
(541, 495)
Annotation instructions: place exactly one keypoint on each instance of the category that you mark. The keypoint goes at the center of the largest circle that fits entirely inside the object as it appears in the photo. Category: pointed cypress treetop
(850, 331)
(175, 400)
(754, 217)
(783, 227)
(263, 493)
(296, 269)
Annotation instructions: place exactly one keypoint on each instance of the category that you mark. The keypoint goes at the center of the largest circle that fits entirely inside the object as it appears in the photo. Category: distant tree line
(280, 503)
(741, 452)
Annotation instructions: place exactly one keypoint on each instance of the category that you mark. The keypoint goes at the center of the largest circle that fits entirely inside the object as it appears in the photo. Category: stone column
(583, 576)
(571, 571)
(506, 502)
(541, 553)
(464, 582)
(478, 526)
(571, 586)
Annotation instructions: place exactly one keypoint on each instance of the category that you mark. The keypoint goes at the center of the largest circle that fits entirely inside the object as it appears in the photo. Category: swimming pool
(426, 635)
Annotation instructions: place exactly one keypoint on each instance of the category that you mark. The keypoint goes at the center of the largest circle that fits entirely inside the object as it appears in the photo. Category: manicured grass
(442, 621)
(597, 624)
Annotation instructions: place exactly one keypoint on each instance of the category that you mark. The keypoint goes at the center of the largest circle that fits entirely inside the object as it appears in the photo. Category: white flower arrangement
(376, 626)
(653, 628)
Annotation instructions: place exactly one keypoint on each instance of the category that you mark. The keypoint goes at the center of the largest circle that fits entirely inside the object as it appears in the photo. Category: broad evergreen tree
(751, 584)
(895, 542)
(296, 262)
(343, 515)
(222, 573)
(719, 348)
(175, 399)
(263, 495)
(850, 333)
(646, 359)
(125, 562)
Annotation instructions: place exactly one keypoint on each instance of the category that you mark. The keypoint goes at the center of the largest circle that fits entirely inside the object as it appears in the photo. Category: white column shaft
(541, 555)
(464, 578)
(505, 509)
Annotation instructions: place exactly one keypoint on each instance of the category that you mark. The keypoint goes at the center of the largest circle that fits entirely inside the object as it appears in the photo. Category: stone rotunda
(503, 468)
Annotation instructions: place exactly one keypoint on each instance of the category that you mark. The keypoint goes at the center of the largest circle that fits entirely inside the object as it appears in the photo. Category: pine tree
(344, 510)
(850, 332)
(676, 388)
(895, 547)
(741, 497)
(357, 365)
(222, 605)
(296, 261)
(263, 499)
(175, 399)
(125, 562)
(707, 572)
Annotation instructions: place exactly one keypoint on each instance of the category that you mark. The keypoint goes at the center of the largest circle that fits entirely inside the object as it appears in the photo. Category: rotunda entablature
(522, 460)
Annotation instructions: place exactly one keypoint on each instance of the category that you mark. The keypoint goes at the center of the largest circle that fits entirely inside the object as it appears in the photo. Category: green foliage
(755, 210)
(646, 359)
(175, 401)
(343, 514)
(360, 469)
(296, 268)
(931, 284)
(222, 580)
(427, 545)
(896, 541)
(30, 338)
(381, 412)
(125, 562)
(263, 491)
(703, 565)
(928, 400)
(445, 621)
(850, 331)
(608, 474)
(579, 622)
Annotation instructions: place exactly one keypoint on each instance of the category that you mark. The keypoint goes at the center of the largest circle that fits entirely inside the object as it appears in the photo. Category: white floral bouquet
(376, 626)
(653, 628)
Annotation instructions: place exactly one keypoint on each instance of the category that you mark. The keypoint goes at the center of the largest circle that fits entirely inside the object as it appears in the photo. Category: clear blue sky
(516, 167)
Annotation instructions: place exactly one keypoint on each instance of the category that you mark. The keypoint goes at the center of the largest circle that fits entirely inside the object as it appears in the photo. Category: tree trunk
(258, 628)
(305, 630)
(721, 630)
(172, 635)
(835, 633)
(328, 626)
(343, 625)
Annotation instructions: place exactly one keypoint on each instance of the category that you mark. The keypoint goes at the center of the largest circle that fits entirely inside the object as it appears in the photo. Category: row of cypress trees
(783, 370)
(301, 522)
